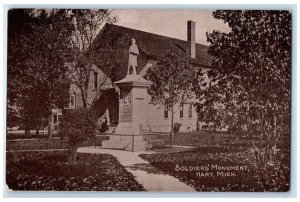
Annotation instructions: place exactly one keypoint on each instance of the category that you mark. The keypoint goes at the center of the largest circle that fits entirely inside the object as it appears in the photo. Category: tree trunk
(49, 124)
(172, 127)
(72, 155)
(197, 122)
(95, 139)
(83, 96)
(37, 131)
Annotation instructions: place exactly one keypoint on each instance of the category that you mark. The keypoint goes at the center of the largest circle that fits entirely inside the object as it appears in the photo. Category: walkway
(150, 177)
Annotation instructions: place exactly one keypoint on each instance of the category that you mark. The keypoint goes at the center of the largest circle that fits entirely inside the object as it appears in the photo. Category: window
(55, 118)
(95, 79)
(181, 110)
(73, 101)
(166, 113)
(190, 110)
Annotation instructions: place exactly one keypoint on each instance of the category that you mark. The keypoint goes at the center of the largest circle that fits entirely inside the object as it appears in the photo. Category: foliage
(38, 49)
(250, 79)
(248, 180)
(172, 79)
(76, 127)
(48, 171)
(109, 52)
(88, 23)
(13, 118)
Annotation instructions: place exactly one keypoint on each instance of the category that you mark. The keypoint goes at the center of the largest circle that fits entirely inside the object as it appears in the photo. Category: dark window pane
(181, 111)
(166, 114)
(190, 110)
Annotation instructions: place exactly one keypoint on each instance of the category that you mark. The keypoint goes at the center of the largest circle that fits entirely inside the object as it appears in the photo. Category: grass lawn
(207, 138)
(198, 138)
(222, 169)
(13, 136)
(54, 143)
(37, 144)
(38, 171)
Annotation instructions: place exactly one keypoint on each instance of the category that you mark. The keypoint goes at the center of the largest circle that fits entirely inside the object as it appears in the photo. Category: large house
(111, 40)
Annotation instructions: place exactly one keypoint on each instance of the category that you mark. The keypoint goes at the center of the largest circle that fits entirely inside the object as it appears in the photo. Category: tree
(38, 49)
(250, 79)
(20, 25)
(172, 79)
(76, 127)
(13, 118)
(87, 24)
(33, 109)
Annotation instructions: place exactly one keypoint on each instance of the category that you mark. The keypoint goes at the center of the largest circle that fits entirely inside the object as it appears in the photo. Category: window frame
(190, 110)
(73, 106)
(95, 80)
(166, 113)
(55, 118)
(181, 111)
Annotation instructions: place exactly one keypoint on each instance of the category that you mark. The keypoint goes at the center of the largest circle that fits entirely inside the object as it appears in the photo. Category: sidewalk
(150, 177)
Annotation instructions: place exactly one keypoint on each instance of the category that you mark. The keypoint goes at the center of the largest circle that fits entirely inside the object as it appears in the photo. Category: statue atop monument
(133, 53)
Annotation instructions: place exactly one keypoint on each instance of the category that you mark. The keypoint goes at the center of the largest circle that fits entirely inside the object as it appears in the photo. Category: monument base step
(125, 145)
(108, 144)
(140, 143)
(150, 137)
(154, 144)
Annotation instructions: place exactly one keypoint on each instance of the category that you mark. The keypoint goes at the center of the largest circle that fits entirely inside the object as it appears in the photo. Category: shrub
(76, 127)
(177, 127)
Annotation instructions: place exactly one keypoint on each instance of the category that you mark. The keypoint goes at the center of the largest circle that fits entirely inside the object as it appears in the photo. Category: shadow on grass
(149, 169)
(168, 149)
(50, 171)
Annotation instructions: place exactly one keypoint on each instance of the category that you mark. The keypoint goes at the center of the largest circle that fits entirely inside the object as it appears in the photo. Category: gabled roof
(152, 45)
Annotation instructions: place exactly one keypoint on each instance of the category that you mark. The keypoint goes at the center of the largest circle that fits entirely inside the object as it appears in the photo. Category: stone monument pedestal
(133, 104)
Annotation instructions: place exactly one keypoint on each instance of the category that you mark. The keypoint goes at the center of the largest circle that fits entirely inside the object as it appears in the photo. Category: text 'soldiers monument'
(132, 108)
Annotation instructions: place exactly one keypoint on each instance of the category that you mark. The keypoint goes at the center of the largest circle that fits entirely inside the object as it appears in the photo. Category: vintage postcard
(148, 100)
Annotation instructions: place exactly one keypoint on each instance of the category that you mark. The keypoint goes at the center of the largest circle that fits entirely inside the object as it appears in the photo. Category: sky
(171, 23)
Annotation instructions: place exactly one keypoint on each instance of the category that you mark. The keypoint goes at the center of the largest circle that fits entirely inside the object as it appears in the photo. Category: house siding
(102, 80)
(158, 123)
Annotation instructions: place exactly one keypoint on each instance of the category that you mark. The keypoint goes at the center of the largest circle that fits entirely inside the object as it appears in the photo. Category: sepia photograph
(148, 100)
